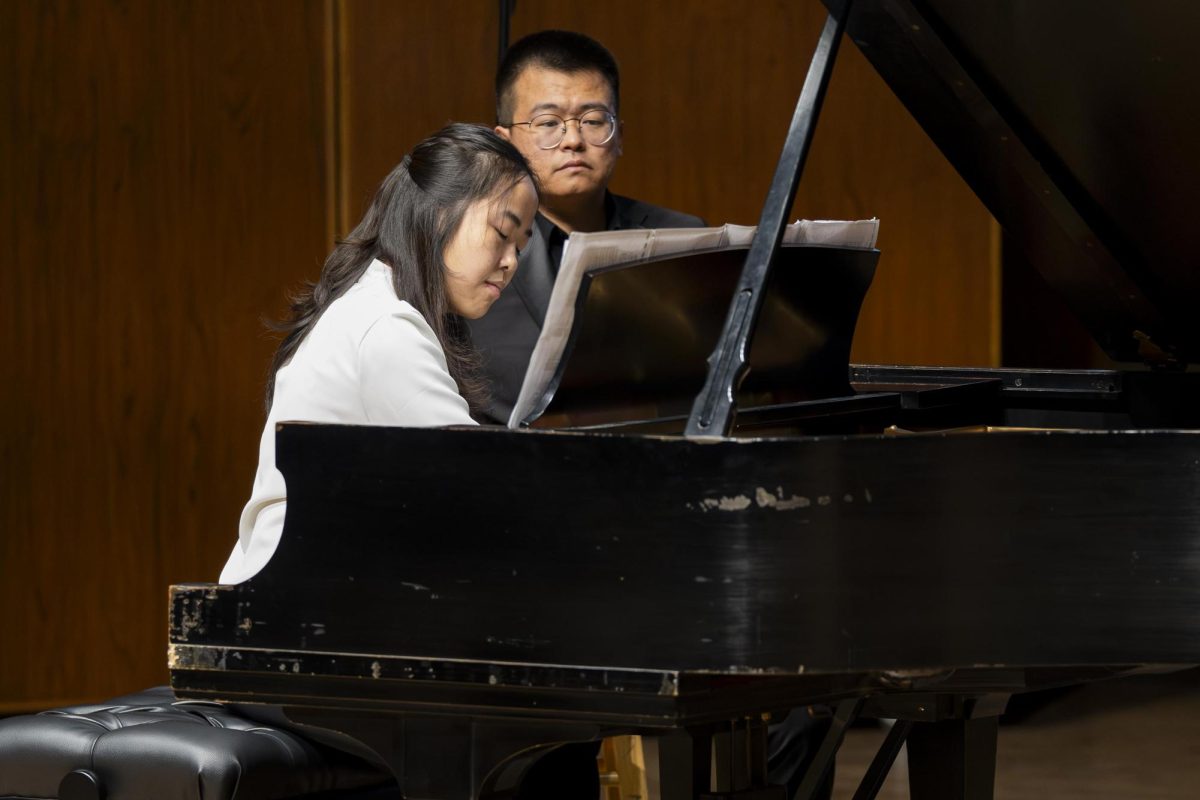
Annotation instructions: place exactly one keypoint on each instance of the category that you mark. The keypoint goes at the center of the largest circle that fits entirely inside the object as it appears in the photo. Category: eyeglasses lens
(596, 128)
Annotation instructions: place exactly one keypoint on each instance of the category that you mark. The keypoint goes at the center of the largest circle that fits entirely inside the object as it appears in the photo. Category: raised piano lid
(1072, 122)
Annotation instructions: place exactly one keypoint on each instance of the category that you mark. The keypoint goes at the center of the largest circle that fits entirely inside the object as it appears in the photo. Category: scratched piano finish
(932, 574)
(784, 556)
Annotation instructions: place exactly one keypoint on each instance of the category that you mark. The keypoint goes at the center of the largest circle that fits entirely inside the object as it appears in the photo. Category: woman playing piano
(380, 338)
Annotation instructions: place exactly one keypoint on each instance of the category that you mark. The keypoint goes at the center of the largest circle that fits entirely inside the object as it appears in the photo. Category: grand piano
(920, 548)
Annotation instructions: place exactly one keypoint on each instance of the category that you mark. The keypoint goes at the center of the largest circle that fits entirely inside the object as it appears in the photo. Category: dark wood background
(170, 170)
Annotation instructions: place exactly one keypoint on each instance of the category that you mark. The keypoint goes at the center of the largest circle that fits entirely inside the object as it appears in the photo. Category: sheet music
(585, 253)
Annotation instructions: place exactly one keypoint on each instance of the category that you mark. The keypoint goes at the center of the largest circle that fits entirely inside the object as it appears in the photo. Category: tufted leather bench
(149, 746)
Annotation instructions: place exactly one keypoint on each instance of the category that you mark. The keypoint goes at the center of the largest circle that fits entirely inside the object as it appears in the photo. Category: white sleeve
(403, 376)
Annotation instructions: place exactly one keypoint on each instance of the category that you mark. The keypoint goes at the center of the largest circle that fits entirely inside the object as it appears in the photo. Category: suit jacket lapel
(627, 213)
(534, 281)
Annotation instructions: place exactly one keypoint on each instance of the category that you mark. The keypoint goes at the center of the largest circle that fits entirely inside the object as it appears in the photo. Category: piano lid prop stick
(713, 410)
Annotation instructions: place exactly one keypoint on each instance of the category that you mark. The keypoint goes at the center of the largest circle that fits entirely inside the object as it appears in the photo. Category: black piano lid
(1077, 125)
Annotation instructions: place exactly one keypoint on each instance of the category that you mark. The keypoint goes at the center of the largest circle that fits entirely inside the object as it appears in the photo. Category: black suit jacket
(505, 337)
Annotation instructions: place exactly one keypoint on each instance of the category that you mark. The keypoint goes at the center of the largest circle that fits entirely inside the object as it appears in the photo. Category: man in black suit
(557, 101)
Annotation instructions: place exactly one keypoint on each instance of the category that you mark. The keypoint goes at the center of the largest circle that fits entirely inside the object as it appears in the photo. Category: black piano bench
(149, 746)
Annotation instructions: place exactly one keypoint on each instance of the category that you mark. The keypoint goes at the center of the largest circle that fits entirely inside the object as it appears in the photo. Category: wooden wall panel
(407, 70)
(163, 181)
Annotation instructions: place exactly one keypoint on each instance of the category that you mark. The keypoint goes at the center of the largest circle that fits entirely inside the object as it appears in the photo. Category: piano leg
(953, 759)
(678, 764)
(722, 762)
(727, 761)
(951, 746)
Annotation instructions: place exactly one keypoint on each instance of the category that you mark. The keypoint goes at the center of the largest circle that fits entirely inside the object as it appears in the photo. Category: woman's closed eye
(504, 237)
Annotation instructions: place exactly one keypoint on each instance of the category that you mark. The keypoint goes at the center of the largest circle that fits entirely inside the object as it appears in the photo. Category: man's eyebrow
(540, 107)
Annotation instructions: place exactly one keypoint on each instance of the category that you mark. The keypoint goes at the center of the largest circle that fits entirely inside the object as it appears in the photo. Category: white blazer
(370, 359)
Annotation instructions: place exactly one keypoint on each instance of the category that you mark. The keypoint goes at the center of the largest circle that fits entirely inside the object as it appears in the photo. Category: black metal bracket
(714, 408)
(843, 717)
(872, 780)
(506, 11)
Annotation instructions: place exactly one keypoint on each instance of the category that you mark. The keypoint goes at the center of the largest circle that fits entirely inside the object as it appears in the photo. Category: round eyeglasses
(596, 127)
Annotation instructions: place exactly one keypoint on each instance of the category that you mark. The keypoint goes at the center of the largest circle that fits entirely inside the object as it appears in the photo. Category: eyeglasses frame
(578, 126)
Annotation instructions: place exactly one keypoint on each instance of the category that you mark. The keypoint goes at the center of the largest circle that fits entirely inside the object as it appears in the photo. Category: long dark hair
(414, 214)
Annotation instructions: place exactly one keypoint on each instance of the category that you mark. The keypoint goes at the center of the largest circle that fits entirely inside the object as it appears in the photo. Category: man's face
(573, 169)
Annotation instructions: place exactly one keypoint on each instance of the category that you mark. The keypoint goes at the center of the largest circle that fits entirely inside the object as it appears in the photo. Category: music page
(585, 253)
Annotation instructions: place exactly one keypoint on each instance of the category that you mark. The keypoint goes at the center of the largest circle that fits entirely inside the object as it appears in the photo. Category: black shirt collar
(556, 237)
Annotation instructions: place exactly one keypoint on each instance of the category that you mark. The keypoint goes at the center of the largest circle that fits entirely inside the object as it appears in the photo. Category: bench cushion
(150, 745)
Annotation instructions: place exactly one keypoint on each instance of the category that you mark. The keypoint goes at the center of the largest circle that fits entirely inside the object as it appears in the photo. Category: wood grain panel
(408, 69)
(163, 173)
(708, 89)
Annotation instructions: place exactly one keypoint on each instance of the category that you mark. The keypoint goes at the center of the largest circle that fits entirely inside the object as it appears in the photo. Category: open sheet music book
(589, 254)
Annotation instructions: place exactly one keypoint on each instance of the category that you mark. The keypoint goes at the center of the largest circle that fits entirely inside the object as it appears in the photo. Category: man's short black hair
(564, 51)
